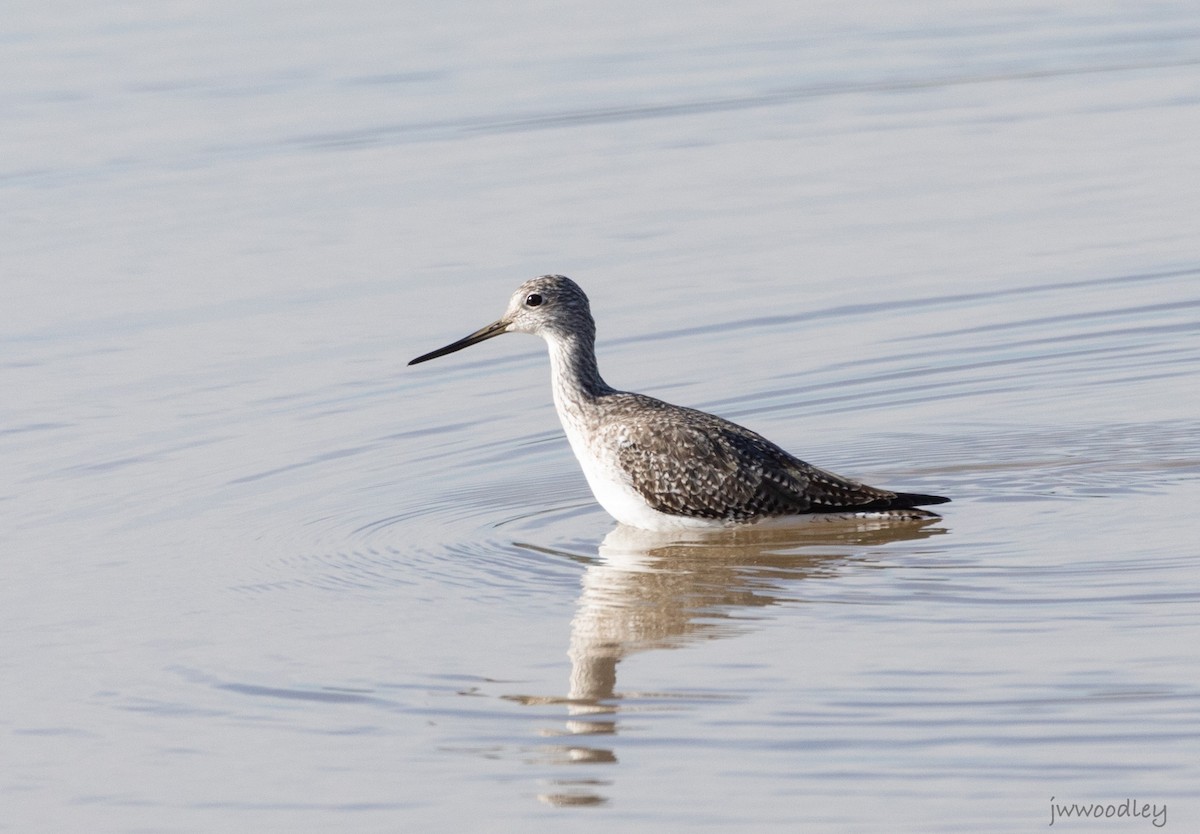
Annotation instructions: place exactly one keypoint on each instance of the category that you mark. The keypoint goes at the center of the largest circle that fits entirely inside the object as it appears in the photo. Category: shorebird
(659, 466)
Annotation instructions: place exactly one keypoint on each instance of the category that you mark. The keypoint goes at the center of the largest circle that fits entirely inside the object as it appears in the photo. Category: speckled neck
(575, 377)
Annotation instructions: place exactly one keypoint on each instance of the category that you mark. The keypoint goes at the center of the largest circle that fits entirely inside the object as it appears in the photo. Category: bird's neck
(576, 379)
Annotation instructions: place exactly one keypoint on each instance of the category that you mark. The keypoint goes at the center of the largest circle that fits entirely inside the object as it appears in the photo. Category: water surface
(260, 575)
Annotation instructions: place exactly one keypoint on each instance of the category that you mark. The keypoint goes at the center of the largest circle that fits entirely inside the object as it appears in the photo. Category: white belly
(627, 506)
(615, 493)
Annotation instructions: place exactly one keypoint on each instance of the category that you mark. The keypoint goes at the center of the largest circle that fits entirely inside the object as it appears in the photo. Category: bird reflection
(652, 590)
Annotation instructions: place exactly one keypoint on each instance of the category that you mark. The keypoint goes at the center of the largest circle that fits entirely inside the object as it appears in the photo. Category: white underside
(618, 497)
(628, 507)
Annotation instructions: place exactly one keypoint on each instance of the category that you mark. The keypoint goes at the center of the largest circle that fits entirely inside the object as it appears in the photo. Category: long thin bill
(480, 335)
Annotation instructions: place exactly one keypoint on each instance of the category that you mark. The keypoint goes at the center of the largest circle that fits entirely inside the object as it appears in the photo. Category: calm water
(261, 576)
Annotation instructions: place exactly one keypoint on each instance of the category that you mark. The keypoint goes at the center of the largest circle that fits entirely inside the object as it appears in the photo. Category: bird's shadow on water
(647, 591)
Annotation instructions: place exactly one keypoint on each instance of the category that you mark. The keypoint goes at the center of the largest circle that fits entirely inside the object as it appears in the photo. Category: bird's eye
(533, 299)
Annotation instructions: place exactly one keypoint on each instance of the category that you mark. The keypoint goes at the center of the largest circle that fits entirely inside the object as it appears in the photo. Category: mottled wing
(687, 462)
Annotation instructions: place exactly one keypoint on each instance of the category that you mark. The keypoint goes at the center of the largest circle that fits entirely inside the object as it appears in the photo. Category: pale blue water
(259, 575)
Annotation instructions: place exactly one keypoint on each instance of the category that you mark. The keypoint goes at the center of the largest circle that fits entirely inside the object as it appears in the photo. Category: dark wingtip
(899, 501)
(912, 499)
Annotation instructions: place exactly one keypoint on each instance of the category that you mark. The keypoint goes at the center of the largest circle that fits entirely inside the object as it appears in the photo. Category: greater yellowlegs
(659, 466)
